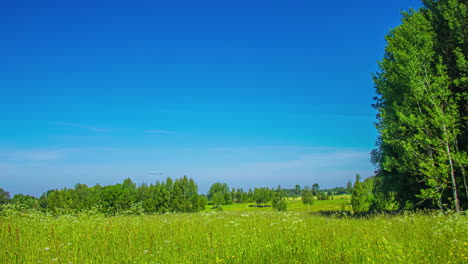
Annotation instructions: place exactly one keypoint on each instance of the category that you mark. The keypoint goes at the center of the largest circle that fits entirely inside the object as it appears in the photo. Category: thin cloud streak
(86, 127)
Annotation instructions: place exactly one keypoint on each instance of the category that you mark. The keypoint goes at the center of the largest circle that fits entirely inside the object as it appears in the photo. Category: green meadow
(272, 93)
(239, 234)
(339, 203)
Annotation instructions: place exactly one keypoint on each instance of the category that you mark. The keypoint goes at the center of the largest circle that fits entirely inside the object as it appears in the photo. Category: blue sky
(251, 93)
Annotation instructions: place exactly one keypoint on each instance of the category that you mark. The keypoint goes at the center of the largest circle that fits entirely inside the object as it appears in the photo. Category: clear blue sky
(251, 93)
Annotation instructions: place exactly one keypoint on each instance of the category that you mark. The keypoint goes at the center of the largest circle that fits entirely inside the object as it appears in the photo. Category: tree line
(180, 195)
(221, 194)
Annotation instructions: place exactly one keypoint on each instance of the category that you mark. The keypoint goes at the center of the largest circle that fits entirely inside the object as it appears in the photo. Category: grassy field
(296, 205)
(264, 236)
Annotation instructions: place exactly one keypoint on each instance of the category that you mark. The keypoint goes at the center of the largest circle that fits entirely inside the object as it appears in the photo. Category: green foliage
(349, 187)
(297, 189)
(383, 201)
(238, 195)
(218, 199)
(4, 196)
(180, 195)
(262, 195)
(323, 195)
(307, 196)
(202, 202)
(362, 196)
(185, 196)
(222, 188)
(25, 202)
(421, 100)
(281, 205)
(136, 209)
(315, 188)
(278, 200)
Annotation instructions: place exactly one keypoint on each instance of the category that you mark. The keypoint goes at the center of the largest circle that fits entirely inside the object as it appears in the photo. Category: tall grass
(233, 237)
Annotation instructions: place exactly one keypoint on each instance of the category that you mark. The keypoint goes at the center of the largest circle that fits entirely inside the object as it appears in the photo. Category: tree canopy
(421, 154)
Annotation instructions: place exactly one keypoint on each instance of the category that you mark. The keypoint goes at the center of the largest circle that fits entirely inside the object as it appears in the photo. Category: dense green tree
(233, 195)
(250, 196)
(108, 197)
(202, 202)
(82, 195)
(419, 100)
(144, 195)
(261, 195)
(384, 201)
(125, 199)
(218, 199)
(298, 190)
(449, 19)
(307, 196)
(180, 195)
(323, 195)
(126, 195)
(315, 188)
(4, 196)
(128, 184)
(25, 201)
(349, 187)
(162, 197)
(220, 188)
(278, 200)
(185, 196)
(240, 196)
(59, 201)
(362, 196)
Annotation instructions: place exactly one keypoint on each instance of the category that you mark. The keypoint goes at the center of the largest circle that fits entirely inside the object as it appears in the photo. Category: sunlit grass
(339, 202)
(233, 237)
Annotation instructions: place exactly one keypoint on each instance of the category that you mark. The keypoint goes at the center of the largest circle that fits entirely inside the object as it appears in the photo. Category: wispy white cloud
(81, 126)
(156, 131)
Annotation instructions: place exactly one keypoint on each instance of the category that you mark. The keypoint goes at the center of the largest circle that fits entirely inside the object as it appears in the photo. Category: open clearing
(339, 202)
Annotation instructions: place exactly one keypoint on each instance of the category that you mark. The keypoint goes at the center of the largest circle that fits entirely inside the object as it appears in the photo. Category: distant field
(233, 237)
(294, 204)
